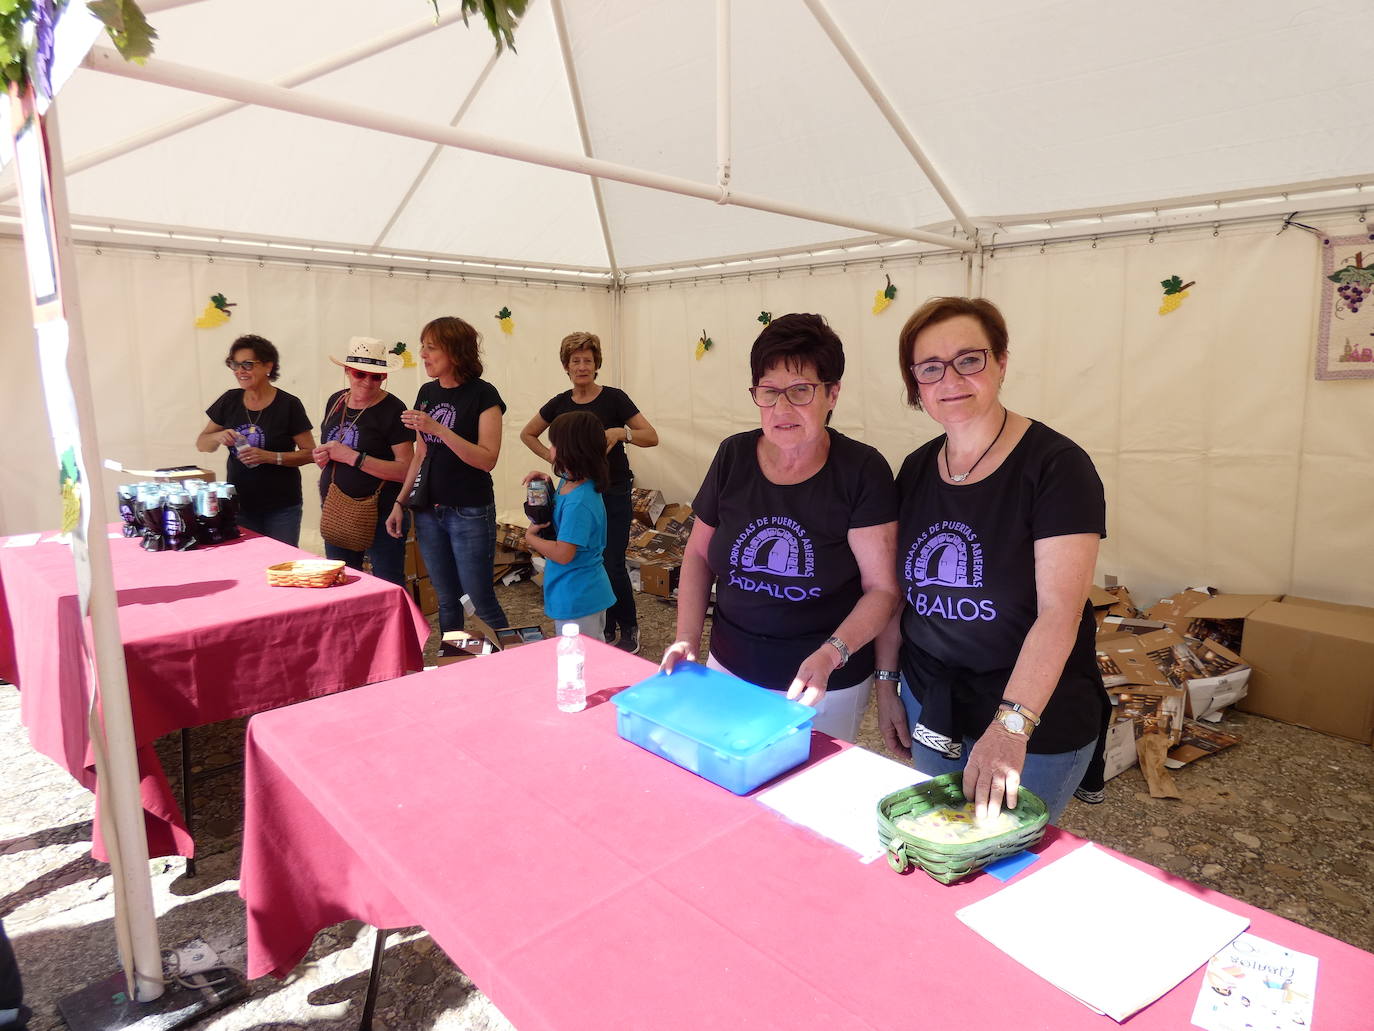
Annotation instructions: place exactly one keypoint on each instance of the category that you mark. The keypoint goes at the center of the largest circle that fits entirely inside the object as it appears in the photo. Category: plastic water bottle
(572, 685)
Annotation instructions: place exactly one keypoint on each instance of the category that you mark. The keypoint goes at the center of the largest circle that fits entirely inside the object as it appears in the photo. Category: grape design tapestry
(1345, 336)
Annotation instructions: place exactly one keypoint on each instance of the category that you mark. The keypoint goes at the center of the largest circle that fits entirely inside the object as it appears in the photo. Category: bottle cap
(570, 630)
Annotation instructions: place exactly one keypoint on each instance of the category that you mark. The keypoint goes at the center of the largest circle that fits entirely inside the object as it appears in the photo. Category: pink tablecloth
(205, 639)
(582, 882)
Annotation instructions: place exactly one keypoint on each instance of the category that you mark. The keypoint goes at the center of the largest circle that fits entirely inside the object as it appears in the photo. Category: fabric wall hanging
(1345, 329)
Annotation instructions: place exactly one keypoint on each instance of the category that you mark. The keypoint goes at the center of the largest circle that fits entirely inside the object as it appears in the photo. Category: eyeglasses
(247, 366)
(798, 394)
(970, 363)
(378, 376)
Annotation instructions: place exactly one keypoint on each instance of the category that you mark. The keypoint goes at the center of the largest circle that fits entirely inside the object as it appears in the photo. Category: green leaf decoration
(1172, 285)
(891, 290)
(765, 317)
(128, 28)
(223, 303)
(504, 313)
(502, 18)
(400, 348)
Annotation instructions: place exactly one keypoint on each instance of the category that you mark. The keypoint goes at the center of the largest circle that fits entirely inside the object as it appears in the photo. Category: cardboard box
(658, 579)
(1120, 751)
(652, 546)
(423, 593)
(515, 636)
(675, 513)
(1200, 617)
(1197, 741)
(511, 537)
(1223, 683)
(457, 645)
(648, 505)
(1313, 665)
(1139, 689)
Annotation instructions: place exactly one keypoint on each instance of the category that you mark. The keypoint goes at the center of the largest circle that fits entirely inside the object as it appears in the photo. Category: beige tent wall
(1224, 461)
(154, 373)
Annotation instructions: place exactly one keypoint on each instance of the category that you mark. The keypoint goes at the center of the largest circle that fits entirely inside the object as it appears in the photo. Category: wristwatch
(1030, 714)
(1014, 722)
(840, 647)
(629, 435)
(887, 674)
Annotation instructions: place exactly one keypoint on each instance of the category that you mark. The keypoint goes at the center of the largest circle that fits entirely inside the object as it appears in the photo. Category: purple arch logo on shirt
(445, 415)
(947, 554)
(769, 551)
(253, 433)
(345, 434)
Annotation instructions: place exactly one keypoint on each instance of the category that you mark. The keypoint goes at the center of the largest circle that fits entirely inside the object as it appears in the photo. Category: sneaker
(629, 640)
(610, 635)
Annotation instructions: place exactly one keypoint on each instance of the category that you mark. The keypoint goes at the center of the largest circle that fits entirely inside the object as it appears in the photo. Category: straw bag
(347, 522)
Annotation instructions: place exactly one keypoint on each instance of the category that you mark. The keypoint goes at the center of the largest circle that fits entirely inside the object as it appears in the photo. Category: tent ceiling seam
(437, 149)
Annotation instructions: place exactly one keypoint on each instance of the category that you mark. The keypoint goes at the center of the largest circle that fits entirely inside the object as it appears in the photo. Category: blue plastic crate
(717, 726)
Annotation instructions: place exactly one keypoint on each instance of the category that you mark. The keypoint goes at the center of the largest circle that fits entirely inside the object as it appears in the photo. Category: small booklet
(1255, 985)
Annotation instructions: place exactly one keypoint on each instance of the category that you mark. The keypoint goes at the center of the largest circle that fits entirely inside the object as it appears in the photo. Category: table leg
(187, 804)
(370, 1000)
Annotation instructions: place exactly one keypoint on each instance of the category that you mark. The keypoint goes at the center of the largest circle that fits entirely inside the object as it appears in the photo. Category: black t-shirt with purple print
(374, 431)
(264, 488)
(452, 481)
(966, 569)
(785, 574)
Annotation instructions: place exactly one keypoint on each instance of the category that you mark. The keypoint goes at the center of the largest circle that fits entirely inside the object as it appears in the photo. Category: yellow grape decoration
(1175, 289)
(704, 344)
(884, 297)
(407, 359)
(216, 313)
(507, 321)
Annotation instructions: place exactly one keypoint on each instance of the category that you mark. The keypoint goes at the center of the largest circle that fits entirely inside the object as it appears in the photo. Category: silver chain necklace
(961, 477)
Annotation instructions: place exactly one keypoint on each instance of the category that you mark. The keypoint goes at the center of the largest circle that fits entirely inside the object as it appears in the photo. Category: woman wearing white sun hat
(366, 451)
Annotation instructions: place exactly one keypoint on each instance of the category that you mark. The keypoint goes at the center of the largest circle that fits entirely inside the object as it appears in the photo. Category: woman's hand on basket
(808, 686)
(677, 652)
(993, 771)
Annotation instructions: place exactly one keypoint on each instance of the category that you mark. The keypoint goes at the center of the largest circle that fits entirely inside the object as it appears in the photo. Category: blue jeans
(281, 524)
(386, 553)
(1053, 777)
(619, 515)
(459, 548)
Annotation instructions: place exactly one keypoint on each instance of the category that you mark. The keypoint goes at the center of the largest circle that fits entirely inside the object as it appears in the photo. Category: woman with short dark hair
(795, 526)
(457, 425)
(269, 439)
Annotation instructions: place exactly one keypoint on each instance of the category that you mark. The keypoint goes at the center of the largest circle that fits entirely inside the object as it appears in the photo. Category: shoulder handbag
(348, 522)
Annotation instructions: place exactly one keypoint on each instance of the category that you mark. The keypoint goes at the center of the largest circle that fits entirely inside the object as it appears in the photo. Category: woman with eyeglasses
(999, 523)
(625, 425)
(268, 436)
(367, 452)
(795, 526)
(457, 425)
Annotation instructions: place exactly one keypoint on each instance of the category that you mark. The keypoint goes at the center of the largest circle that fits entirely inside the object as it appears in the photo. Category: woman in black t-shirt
(624, 423)
(998, 529)
(269, 439)
(457, 425)
(795, 526)
(366, 451)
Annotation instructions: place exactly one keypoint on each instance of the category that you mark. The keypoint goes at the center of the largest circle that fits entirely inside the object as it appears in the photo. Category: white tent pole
(434, 154)
(208, 114)
(229, 87)
(861, 72)
(723, 94)
(117, 760)
(575, 89)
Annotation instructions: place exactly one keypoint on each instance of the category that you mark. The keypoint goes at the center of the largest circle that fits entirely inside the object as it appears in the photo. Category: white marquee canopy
(1039, 117)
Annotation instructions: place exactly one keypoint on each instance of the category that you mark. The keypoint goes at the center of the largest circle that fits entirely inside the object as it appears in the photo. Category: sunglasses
(375, 376)
(247, 366)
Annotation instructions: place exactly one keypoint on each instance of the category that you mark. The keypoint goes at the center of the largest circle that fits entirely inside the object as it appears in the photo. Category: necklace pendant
(959, 477)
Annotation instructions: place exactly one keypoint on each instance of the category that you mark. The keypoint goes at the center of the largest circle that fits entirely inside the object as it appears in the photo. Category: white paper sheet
(838, 798)
(1255, 985)
(22, 540)
(1055, 922)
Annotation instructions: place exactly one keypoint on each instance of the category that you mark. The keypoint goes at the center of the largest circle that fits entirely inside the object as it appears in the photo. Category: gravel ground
(1283, 821)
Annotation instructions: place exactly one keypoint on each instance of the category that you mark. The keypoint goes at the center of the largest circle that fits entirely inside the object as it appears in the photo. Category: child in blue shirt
(576, 587)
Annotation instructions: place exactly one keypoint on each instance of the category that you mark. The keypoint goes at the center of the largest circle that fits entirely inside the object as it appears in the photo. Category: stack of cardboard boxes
(1305, 662)
(658, 539)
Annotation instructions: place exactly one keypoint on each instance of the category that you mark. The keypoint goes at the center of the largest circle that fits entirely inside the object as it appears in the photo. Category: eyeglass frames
(247, 366)
(932, 370)
(798, 394)
(375, 376)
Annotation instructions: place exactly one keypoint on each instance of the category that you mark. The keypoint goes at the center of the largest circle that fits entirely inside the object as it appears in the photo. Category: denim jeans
(619, 515)
(1053, 777)
(281, 524)
(386, 553)
(459, 548)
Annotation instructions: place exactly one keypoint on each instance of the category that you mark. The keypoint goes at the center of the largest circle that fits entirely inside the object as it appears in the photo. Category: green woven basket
(947, 862)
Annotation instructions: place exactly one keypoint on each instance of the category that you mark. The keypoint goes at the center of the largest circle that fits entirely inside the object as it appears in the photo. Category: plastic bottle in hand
(572, 684)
